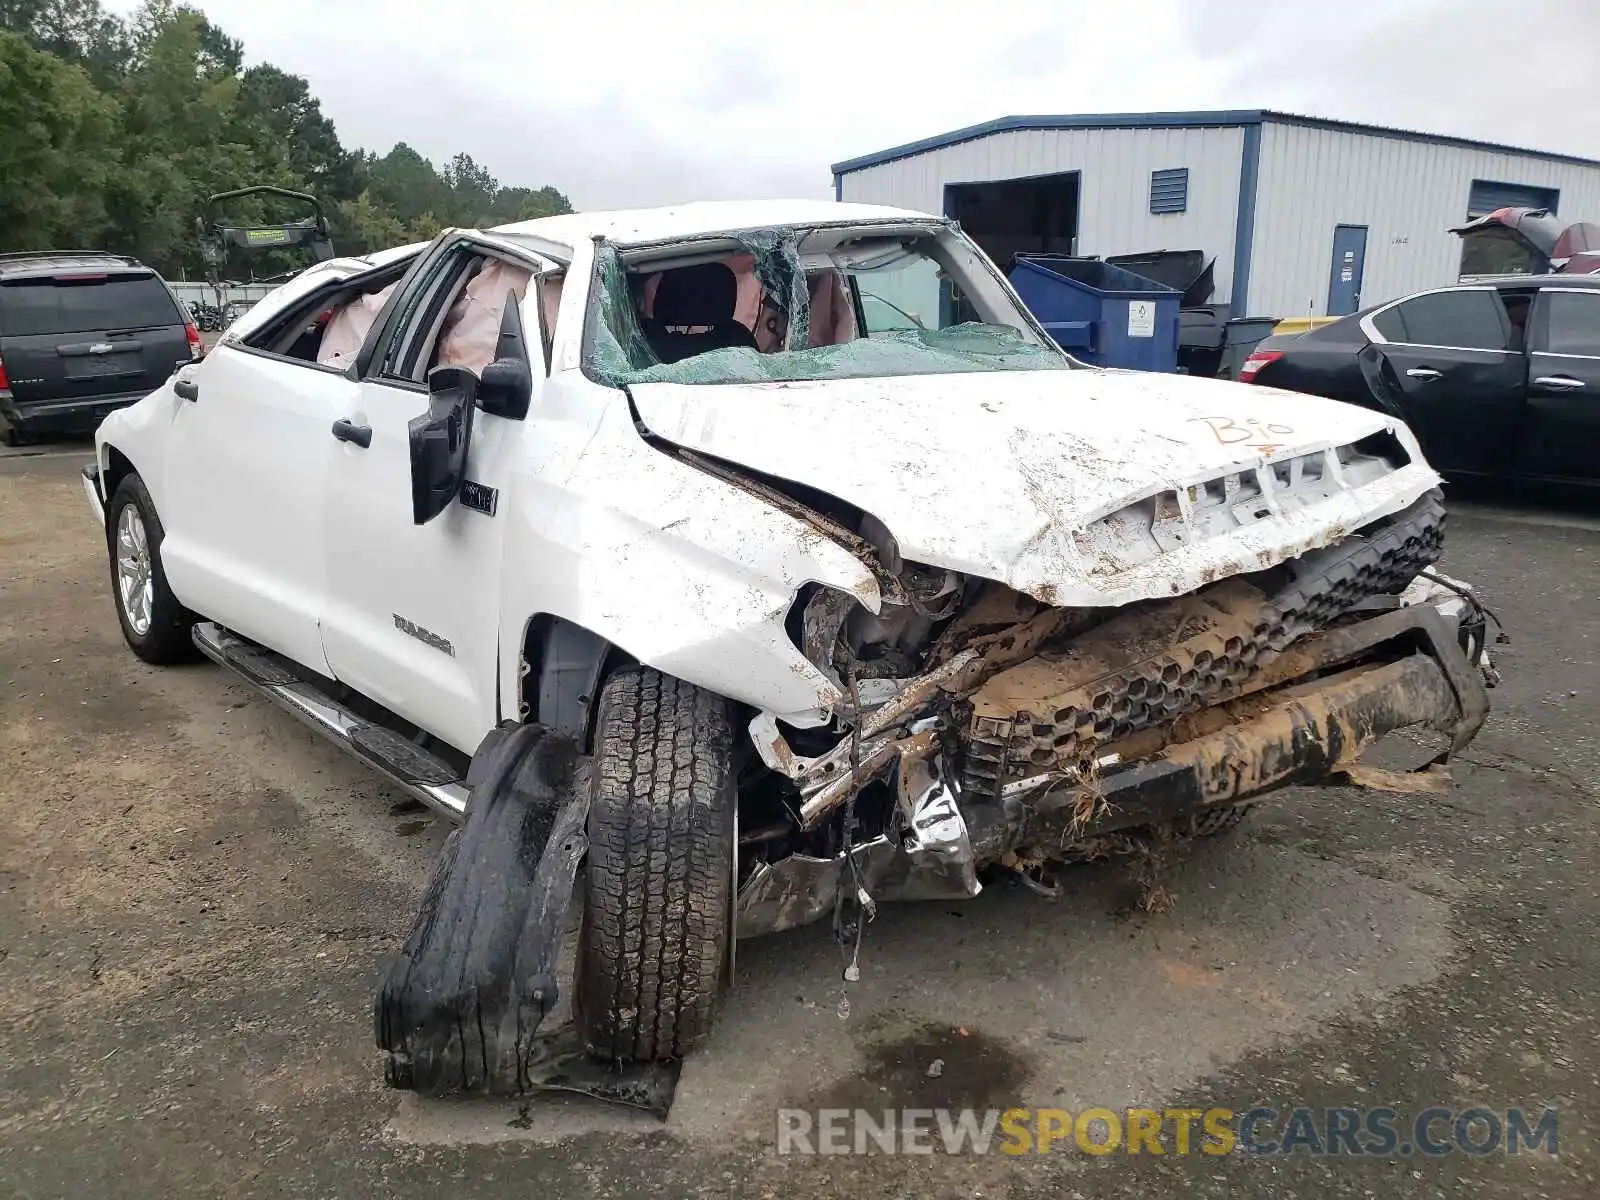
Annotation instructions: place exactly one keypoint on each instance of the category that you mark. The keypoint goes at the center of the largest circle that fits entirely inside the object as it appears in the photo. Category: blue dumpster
(1100, 313)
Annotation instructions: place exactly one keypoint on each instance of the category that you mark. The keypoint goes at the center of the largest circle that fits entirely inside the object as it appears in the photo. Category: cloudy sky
(632, 103)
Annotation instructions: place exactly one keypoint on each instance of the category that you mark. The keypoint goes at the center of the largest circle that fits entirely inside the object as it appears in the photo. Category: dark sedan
(1496, 378)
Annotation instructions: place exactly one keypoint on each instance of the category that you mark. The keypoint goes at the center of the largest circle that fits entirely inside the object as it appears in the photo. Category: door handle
(360, 435)
(1564, 382)
(186, 389)
(1422, 373)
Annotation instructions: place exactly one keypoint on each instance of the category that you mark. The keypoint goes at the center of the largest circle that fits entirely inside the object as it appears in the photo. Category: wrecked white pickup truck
(629, 538)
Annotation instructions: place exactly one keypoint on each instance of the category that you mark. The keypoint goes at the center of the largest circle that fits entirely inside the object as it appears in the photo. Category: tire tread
(659, 881)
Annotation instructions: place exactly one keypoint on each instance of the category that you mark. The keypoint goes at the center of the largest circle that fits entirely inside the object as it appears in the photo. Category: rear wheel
(155, 626)
(659, 885)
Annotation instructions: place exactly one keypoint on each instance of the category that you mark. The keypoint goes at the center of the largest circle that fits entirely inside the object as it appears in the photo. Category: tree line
(114, 131)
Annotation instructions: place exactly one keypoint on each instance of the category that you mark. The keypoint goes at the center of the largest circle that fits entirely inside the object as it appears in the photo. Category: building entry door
(1344, 275)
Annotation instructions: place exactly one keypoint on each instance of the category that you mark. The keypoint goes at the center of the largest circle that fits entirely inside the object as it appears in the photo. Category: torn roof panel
(705, 218)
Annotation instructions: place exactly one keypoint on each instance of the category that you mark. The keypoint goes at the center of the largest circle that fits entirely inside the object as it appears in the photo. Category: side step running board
(425, 776)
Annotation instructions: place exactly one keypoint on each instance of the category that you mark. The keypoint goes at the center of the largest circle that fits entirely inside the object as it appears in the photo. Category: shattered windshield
(798, 305)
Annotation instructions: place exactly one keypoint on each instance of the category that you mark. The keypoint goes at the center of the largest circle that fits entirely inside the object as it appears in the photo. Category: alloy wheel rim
(135, 587)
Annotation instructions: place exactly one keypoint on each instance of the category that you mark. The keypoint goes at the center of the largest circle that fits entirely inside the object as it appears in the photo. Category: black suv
(82, 333)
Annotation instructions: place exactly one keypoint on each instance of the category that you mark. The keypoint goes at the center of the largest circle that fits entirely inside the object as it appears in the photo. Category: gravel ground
(196, 899)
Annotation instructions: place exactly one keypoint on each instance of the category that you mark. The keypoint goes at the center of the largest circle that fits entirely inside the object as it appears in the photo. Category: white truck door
(245, 495)
(413, 610)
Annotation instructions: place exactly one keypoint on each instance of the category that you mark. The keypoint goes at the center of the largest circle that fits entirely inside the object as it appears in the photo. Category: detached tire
(155, 625)
(659, 885)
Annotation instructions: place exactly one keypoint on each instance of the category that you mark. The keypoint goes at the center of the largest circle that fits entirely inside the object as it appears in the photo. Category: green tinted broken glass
(619, 354)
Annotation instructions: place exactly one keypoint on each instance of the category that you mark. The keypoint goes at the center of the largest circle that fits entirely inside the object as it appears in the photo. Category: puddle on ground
(411, 828)
(934, 1066)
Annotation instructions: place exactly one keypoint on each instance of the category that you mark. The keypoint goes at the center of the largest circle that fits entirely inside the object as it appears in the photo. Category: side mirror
(506, 387)
(439, 441)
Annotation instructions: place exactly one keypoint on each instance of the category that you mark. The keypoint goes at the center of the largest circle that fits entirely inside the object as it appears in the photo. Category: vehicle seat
(693, 313)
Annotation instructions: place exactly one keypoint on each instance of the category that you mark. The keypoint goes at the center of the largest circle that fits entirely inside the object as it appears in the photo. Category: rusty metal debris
(1058, 733)
(1037, 711)
(1256, 743)
(917, 693)
(982, 657)
(933, 861)
(874, 760)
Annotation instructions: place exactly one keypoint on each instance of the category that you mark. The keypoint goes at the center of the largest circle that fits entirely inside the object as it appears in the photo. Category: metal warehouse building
(1302, 215)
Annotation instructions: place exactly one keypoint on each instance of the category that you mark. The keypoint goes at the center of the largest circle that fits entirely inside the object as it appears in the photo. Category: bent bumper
(1305, 738)
(1304, 719)
(1395, 671)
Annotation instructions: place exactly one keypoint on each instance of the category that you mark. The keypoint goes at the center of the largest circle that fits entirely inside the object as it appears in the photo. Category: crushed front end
(986, 729)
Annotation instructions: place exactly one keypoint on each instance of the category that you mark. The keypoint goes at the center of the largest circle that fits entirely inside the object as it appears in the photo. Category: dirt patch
(157, 857)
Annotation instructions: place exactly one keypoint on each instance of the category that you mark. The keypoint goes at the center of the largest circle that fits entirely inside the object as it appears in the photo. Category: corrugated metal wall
(1408, 194)
(1114, 206)
(190, 290)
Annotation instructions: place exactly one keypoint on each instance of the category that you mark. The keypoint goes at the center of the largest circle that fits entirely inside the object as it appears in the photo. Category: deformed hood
(1083, 487)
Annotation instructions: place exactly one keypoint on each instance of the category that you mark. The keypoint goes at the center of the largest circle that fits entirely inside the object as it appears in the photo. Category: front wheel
(155, 626)
(659, 885)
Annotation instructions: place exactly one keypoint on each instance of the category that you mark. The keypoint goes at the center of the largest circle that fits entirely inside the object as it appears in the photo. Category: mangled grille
(1144, 530)
(1152, 693)
(1148, 666)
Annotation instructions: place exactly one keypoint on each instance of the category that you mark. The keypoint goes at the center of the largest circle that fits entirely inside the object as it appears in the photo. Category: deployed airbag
(348, 328)
(473, 326)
